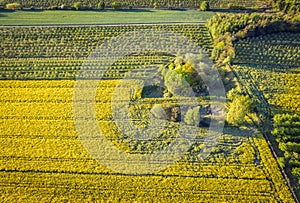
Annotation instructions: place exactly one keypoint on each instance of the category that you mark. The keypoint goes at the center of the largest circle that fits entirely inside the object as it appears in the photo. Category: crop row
(279, 50)
(57, 68)
(59, 52)
(83, 187)
(281, 89)
(272, 169)
(20, 42)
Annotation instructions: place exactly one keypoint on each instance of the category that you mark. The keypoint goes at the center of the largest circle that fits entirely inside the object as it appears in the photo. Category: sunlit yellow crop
(40, 146)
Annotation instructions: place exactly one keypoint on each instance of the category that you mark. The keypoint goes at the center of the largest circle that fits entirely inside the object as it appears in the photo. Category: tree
(101, 5)
(192, 116)
(280, 5)
(176, 83)
(158, 112)
(175, 114)
(281, 161)
(2, 4)
(13, 6)
(204, 6)
(77, 5)
(181, 76)
(238, 109)
(116, 5)
(189, 67)
(232, 94)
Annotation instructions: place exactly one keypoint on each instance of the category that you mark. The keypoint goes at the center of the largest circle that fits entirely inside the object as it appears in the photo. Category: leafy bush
(101, 5)
(238, 109)
(2, 4)
(13, 6)
(286, 130)
(158, 112)
(289, 7)
(204, 6)
(192, 116)
(77, 5)
(235, 7)
(116, 5)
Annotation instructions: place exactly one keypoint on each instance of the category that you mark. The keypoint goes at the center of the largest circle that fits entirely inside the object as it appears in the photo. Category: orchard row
(85, 4)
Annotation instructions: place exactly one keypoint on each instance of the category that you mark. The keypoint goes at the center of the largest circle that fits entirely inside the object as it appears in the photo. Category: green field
(102, 17)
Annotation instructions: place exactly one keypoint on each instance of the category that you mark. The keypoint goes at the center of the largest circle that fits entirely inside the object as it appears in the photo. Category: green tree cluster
(287, 6)
(239, 106)
(286, 131)
(204, 6)
(180, 75)
(227, 28)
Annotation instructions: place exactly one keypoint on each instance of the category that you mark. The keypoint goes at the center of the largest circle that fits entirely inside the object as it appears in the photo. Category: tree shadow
(114, 10)
(132, 10)
(7, 11)
(175, 9)
(276, 109)
(33, 10)
(237, 131)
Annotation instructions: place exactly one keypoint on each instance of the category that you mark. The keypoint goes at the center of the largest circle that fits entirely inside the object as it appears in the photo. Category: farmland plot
(43, 159)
